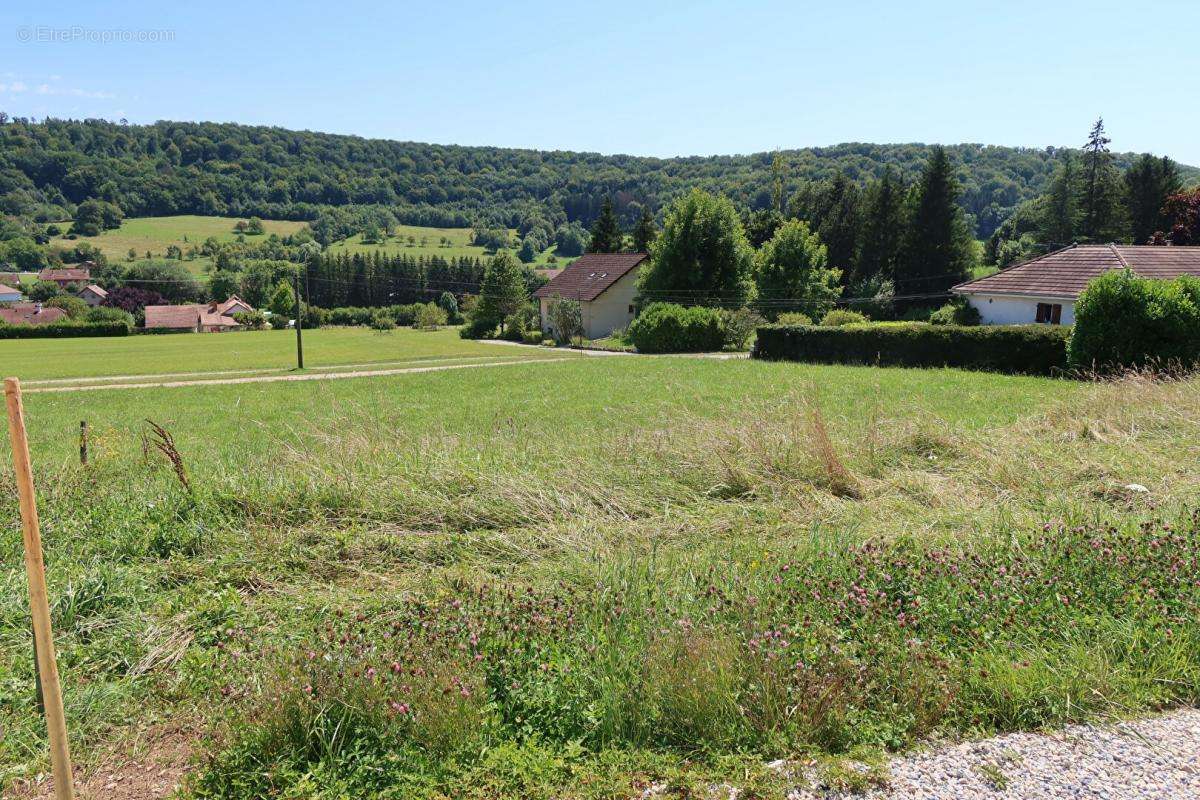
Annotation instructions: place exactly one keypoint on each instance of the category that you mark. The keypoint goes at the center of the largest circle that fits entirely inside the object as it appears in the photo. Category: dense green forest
(47, 168)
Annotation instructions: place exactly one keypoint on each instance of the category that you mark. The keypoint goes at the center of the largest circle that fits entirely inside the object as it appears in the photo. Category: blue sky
(648, 78)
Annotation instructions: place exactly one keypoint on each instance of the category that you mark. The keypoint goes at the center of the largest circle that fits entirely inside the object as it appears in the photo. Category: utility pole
(299, 324)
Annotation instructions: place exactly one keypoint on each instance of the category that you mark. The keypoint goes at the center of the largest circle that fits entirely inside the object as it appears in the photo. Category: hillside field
(580, 578)
(155, 234)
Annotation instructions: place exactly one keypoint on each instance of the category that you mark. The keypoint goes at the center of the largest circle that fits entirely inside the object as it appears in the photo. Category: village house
(92, 294)
(197, 317)
(30, 314)
(605, 284)
(1044, 289)
(66, 277)
(9, 295)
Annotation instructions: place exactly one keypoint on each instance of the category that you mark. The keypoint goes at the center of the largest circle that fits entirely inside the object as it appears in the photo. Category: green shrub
(740, 325)
(251, 320)
(1030, 349)
(106, 314)
(533, 337)
(670, 328)
(63, 330)
(430, 317)
(842, 316)
(1122, 321)
(75, 308)
(956, 313)
(794, 318)
(382, 321)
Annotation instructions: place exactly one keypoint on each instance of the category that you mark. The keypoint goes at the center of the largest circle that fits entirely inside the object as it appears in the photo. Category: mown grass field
(428, 242)
(155, 234)
(577, 579)
(141, 355)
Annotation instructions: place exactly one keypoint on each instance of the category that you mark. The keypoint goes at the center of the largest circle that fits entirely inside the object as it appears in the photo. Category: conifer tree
(1060, 220)
(1100, 201)
(937, 251)
(1148, 184)
(882, 229)
(645, 232)
(606, 233)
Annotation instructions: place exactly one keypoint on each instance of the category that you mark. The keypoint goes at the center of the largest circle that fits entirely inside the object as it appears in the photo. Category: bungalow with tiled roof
(66, 277)
(196, 317)
(605, 284)
(9, 295)
(30, 314)
(1044, 289)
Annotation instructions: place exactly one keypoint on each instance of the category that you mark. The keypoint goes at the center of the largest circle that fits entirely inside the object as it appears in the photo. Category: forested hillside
(47, 168)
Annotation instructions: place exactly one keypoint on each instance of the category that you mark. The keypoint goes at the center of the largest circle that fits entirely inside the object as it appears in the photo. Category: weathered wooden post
(47, 668)
(83, 442)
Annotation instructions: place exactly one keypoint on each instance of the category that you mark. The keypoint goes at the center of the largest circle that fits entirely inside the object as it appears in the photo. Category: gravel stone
(1149, 759)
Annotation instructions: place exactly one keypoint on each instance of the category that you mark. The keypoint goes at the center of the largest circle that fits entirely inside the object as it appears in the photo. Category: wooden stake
(47, 668)
(83, 442)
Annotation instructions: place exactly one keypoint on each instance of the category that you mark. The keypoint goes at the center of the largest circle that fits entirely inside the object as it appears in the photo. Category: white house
(1044, 289)
(605, 284)
(9, 295)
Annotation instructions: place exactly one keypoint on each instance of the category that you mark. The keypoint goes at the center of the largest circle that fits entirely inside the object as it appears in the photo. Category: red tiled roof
(30, 314)
(1065, 273)
(71, 275)
(172, 316)
(591, 275)
(96, 290)
(8, 289)
(179, 317)
(223, 308)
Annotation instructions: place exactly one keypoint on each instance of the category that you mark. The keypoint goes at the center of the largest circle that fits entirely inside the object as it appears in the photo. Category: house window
(631, 309)
(1049, 313)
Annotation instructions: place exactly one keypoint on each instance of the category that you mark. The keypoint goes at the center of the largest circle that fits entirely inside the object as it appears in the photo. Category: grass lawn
(458, 245)
(42, 359)
(576, 579)
(154, 234)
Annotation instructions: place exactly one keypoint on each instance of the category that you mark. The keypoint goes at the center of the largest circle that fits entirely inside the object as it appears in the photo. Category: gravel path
(1152, 758)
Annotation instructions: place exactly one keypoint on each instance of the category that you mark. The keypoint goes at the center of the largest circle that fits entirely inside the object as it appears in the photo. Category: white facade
(10, 297)
(611, 310)
(1018, 310)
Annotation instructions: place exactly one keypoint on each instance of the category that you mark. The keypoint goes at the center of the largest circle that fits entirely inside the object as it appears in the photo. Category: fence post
(83, 442)
(39, 606)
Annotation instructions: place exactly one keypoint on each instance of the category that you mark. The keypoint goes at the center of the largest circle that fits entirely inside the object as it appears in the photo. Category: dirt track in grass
(299, 376)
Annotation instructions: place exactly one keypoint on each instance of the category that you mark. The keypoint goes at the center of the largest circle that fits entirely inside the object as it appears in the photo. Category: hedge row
(62, 330)
(1028, 349)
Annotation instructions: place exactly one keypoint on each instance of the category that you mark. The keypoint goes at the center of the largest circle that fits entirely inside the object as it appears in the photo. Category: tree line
(48, 168)
(1092, 198)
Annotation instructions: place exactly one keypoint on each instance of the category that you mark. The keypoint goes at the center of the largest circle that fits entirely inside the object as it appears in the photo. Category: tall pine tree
(1100, 200)
(937, 251)
(882, 228)
(606, 233)
(645, 232)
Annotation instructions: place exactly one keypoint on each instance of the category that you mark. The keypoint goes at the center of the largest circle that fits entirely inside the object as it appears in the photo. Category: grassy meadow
(577, 579)
(155, 234)
(198, 354)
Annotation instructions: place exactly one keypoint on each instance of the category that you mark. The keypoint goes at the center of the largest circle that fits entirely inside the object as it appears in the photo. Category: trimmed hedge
(1028, 349)
(56, 330)
(1122, 321)
(671, 328)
